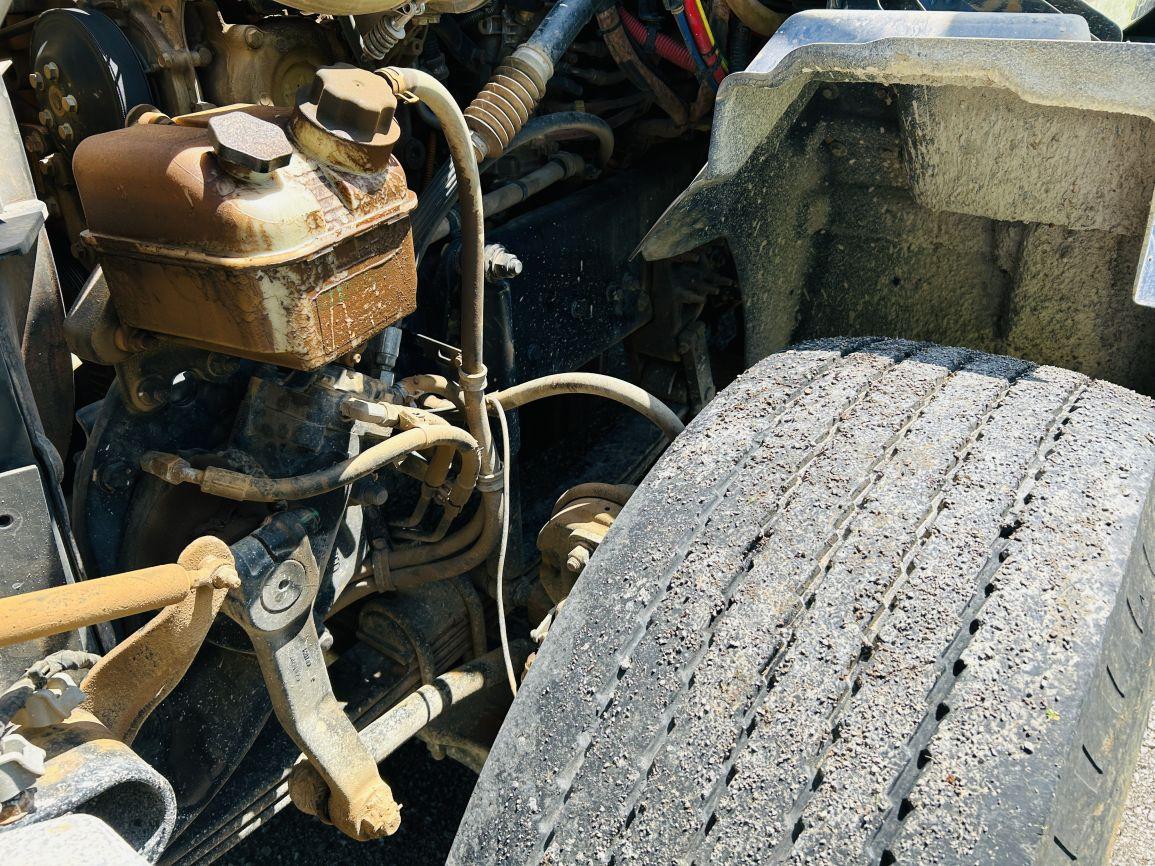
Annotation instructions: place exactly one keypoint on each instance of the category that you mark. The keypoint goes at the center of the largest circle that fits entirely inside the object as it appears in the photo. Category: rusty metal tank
(272, 234)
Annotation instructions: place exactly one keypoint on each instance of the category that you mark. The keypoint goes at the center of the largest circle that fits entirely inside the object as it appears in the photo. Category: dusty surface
(1135, 845)
(433, 795)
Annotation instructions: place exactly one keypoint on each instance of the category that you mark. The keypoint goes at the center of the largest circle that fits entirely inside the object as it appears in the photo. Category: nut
(65, 132)
(51, 72)
(500, 263)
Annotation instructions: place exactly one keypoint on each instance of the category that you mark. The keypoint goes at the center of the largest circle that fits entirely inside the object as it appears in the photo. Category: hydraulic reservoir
(273, 234)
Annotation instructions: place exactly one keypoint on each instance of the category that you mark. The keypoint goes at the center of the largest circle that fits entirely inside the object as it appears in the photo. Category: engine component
(239, 240)
(581, 518)
(414, 436)
(389, 29)
(156, 29)
(373, 7)
(561, 166)
(265, 63)
(86, 75)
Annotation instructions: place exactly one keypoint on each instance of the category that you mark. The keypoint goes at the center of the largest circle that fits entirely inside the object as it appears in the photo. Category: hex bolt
(46, 119)
(69, 103)
(153, 391)
(36, 80)
(254, 37)
(283, 587)
(369, 491)
(578, 558)
(34, 143)
(115, 475)
(51, 71)
(500, 263)
(65, 132)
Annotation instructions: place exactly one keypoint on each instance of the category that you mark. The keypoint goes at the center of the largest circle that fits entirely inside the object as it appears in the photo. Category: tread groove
(547, 826)
(921, 534)
(908, 776)
(825, 562)
(651, 750)
(879, 617)
(835, 538)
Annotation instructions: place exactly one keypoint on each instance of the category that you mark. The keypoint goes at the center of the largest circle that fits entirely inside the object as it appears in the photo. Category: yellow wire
(709, 32)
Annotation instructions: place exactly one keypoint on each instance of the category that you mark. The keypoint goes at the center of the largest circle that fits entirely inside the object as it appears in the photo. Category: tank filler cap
(346, 118)
(252, 144)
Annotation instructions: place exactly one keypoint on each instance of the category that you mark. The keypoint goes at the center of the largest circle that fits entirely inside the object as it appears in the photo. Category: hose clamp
(491, 483)
(473, 381)
(396, 79)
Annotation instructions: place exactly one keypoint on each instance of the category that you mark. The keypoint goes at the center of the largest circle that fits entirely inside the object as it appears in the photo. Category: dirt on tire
(884, 601)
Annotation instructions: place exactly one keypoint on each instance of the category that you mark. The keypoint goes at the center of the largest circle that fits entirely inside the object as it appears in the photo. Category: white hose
(503, 546)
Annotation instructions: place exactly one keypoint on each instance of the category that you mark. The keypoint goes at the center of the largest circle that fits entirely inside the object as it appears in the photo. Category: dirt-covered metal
(877, 174)
(274, 605)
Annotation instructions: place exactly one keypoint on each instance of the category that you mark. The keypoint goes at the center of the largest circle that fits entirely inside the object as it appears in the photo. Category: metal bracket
(274, 605)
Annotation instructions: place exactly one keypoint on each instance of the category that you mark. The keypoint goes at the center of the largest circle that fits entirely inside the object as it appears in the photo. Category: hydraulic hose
(504, 105)
(597, 385)
(502, 108)
(440, 101)
(560, 167)
(251, 488)
(417, 554)
(421, 573)
(666, 47)
(371, 7)
(565, 124)
(436, 202)
(461, 151)
(622, 50)
(416, 575)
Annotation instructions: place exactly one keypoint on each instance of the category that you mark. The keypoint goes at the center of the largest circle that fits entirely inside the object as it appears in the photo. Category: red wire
(666, 47)
(702, 39)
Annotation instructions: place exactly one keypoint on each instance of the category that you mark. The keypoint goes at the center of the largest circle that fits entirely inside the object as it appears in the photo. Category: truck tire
(882, 602)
